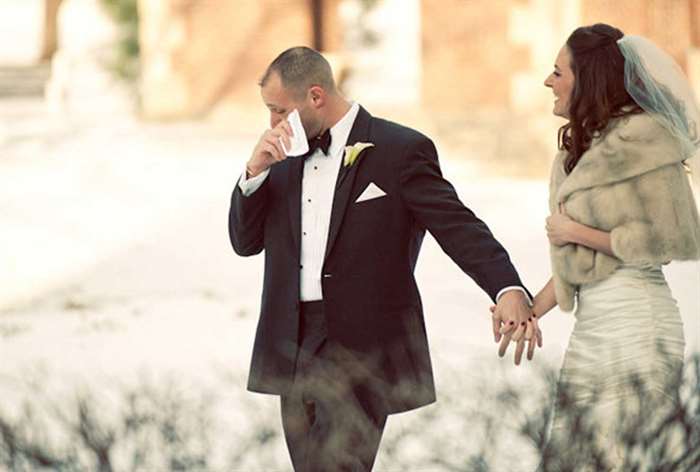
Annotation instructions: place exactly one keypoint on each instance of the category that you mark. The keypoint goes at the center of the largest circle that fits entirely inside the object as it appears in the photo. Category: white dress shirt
(317, 191)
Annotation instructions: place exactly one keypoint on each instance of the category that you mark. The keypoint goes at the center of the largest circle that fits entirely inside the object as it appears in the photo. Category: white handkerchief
(300, 144)
(370, 192)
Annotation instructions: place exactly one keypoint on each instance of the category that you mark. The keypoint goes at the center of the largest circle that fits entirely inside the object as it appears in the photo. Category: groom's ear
(317, 95)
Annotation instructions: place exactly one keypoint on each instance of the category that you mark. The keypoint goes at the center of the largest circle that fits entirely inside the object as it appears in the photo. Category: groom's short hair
(300, 68)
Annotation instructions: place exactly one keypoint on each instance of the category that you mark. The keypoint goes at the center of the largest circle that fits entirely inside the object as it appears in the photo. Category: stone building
(197, 55)
(503, 49)
(200, 55)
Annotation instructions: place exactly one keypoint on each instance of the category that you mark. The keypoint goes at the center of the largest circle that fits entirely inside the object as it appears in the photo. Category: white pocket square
(370, 192)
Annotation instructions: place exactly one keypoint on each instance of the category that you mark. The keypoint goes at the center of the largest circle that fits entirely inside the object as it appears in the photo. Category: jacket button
(327, 276)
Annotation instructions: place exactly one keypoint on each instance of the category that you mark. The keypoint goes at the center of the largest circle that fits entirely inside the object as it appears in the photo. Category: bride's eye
(556, 74)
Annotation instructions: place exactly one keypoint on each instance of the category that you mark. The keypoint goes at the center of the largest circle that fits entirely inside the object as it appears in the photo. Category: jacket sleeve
(465, 238)
(246, 220)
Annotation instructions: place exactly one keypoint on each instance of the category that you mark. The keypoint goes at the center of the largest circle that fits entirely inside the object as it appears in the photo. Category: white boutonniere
(353, 152)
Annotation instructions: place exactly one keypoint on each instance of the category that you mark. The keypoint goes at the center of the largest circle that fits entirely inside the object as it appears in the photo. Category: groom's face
(280, 101)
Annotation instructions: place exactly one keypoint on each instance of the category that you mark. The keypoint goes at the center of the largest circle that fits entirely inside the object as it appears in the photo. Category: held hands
(269, 150)
(560, 228)
(513, 320)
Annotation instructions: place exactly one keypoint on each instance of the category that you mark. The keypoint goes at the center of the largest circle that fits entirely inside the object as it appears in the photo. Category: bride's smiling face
(561, 81)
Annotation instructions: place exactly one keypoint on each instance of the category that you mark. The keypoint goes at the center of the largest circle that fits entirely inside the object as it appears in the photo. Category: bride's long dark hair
(599, 93)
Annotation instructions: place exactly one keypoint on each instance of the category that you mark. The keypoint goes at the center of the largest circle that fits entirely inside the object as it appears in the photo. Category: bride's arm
(590, 237)
(563, 230)
(545, 300)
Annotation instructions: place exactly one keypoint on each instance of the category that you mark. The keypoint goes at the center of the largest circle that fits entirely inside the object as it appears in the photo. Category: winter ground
(115, 266)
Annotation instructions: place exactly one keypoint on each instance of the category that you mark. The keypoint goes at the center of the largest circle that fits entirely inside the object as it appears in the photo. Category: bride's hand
(536, 337)
(560, 229)
(533, 337)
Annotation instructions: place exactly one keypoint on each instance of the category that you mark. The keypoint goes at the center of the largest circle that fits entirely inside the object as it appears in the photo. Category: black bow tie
(322, 142)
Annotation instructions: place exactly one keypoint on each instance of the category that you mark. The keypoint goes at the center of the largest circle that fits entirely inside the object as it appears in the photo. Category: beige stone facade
(673, 24)
(467, 57)
(667, 22)
(202, 55)
(476, 52)
(197, 55)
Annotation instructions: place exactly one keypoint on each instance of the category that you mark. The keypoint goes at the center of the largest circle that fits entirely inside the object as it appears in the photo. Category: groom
(341, 336)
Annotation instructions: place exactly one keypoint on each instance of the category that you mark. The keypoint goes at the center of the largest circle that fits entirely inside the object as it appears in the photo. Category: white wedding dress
(628, 327)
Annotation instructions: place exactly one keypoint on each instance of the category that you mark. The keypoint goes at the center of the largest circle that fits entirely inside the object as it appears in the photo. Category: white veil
(656, 82)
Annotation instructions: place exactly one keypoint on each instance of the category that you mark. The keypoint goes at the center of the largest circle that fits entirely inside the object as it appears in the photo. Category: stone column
(162, 38)
(50, 33)
(80, 85)
(693, 57)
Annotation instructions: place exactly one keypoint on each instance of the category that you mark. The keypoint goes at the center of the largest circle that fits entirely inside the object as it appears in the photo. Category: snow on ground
(115, 263)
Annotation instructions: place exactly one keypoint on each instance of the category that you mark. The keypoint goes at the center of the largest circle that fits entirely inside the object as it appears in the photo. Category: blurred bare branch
(474, 428)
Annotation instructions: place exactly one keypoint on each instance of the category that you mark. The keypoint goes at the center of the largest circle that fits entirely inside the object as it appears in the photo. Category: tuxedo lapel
(346, 176)
(296, 172)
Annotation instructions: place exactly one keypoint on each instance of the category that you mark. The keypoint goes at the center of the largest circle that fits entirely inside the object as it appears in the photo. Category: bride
(621, 206)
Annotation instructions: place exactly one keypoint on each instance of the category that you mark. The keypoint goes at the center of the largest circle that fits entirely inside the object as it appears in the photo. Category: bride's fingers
(520, 347)
(536, 332)
(504, 345)
(529, 330)
(508, 327)
(520, 331)
(531, 348)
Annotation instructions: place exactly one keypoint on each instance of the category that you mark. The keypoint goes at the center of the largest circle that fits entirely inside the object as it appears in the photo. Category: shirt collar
(341, 130)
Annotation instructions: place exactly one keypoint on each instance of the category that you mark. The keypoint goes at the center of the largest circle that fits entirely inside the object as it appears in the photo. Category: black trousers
(330, 422)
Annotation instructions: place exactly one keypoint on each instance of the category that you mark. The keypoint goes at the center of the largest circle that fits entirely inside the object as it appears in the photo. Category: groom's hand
(269, 149)
(512, 320)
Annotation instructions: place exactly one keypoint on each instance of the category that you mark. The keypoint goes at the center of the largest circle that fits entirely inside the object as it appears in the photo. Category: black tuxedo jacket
(372, 305)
